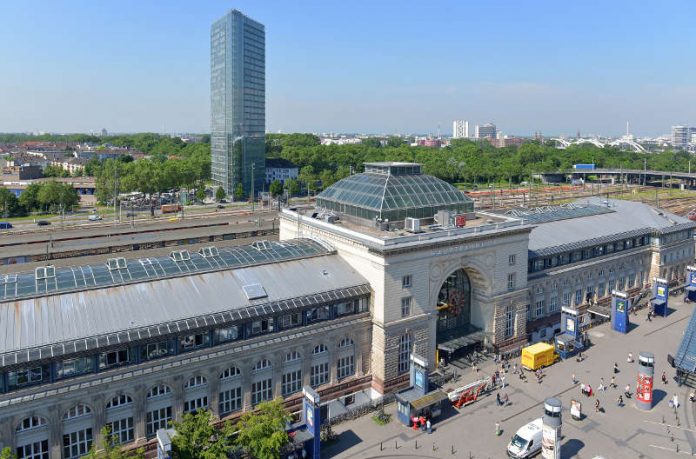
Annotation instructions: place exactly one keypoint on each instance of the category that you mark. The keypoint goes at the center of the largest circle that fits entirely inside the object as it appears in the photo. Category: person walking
(583, 389)
(596, 406)
(675, 401)
(619, 401)
(575, 381)
(612, 384)
(498, 400)
(601, 385)
(630, 358)
(506, 399)
(502, 382)
(664, 378)
(616, 367)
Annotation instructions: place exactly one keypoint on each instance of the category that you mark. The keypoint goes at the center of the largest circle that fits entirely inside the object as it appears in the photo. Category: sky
(378, 67)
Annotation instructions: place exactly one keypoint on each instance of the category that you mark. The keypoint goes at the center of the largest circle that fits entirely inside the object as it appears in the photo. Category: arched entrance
(456, 335)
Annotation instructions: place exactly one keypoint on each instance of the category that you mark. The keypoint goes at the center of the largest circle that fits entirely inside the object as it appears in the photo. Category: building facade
(460, 129)
(280, 169)
(486, 131)
(680, 137)
(238, 102)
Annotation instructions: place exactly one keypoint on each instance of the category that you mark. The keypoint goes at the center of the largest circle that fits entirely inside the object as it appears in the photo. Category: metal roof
(14, 286)
(554, 213)
(73, 322)
(686, 354)
(628, 219)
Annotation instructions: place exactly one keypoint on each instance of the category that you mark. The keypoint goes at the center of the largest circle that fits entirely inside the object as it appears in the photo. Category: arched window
(345, 342)
(404, 352)
(262, 365)
(230, 372)
(119, 400)
(292, 356)
(77, 411)
(32, 422)
(196, 381)
(320, 349)
(159, 390)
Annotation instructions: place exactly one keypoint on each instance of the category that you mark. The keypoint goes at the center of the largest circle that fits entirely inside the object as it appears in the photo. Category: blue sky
(355, 66)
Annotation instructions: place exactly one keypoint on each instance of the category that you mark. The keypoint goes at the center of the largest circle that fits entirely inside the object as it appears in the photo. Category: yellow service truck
(538, 355)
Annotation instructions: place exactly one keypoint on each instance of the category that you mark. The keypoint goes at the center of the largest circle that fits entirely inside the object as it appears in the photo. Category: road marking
(669, 425)
(665, 326)
(670, 449)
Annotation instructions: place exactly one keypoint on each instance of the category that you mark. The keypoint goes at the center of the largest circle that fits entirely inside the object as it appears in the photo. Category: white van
(527, 440)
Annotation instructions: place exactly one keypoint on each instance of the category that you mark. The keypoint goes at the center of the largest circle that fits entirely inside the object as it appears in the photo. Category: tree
(293, 187)
(29, 199)
(109, 448)
(197, 438)
(220, 194)
(238, 192)
(276, 188)
(308, 177)
(262, 432)
(7, 453)
(9, 204)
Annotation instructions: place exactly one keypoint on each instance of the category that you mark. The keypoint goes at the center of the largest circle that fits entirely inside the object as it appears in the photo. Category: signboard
(549, 442)
(570, 324)
(420, 379)
(644, 388)
(620, 305)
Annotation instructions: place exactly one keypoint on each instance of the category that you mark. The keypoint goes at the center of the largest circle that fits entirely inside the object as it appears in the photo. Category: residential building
(486, 131)
(280, 169)
(460, 129)
(680, 137)
(238, 103)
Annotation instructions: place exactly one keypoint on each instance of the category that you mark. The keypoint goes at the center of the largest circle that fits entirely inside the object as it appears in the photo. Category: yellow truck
(538, 355)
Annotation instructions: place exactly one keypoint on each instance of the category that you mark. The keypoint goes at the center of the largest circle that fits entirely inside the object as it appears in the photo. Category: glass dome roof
(393, 191)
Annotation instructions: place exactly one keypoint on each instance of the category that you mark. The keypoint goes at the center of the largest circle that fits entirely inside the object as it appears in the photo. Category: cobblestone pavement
(618, 432)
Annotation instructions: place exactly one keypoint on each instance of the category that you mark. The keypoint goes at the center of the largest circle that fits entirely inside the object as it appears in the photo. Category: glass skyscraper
(238, 102)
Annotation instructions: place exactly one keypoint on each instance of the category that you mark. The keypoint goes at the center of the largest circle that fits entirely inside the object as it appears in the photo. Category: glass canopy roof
(117, 271)
(393, 192)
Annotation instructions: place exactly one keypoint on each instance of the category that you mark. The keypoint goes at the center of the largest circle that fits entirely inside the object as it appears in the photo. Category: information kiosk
(570, 340)
(620, 307)
(660, 298)
(418, 400)
(690, 283)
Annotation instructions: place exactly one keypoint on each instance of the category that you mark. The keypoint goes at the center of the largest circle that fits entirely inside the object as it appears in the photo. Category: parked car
(220, 206)
(5, 225)
(43, 223)
(94, 218)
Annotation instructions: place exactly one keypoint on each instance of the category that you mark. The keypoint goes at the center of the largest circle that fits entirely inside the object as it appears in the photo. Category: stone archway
(454, 305)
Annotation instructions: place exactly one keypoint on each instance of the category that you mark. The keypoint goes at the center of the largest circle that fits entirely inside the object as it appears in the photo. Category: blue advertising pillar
(691, 283)
(660, 296)
(620, 307)
(311, 415)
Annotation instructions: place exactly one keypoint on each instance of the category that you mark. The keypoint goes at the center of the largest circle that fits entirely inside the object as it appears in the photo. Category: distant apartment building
(280, 169)
(486, 131)
(460, 129)
(680, 136)
(427, 142)
(238, 102)
(340, 140)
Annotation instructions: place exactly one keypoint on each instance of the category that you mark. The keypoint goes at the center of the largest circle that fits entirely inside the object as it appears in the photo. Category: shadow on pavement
(346, 440)
(658, 396)
(572, 447)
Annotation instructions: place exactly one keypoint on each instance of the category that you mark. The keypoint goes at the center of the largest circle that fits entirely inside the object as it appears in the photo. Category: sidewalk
(619, 432)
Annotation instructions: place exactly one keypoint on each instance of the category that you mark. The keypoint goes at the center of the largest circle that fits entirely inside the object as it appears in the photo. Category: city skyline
(131, 67)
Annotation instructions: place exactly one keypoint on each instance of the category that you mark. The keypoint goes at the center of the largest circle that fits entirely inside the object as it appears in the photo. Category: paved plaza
(618, 432)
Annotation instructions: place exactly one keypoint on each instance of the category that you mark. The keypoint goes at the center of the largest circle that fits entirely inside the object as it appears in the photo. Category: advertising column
(551, 429)
(644, 386)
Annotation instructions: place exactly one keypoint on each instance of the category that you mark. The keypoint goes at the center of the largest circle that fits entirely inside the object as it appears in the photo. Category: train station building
(389, 262)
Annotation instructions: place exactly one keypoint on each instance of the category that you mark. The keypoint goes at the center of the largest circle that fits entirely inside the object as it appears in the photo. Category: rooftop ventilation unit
(254, 291)
(207, 252)
(116, 263)
(262, 245)
(412, 225)
(180, 255)
(45, 272)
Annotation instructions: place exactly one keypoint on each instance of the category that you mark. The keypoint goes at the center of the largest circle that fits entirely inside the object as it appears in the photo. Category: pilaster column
(177, 397)
(246, 384)
(55, 430)
(307, 364)
(333, 360)
(213, 376)
(277, 362)
(98, 418)
(139, 415)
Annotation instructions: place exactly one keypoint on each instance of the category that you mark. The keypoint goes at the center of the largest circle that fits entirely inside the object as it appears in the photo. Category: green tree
(238, 192)
(9, 204)
(220, 194)
(7, 453)
(262, 432)
(109, 448)
(276, 188)
(308, 177)
(29, 199)
(55, 171)
(293, 187)
(199, 194)
(197, 438)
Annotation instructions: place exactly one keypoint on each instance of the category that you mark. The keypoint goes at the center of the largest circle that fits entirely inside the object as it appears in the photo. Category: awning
(600, 311)
(565, 338)
(429, 400)
(658, 302)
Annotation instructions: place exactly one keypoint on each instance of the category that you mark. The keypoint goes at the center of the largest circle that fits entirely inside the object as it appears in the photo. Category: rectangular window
(406, 306)
(622, 283)
(509, 322)
(343, 309)
(346, 367)
(539, 308)
(577, 256)
(158, 419)
(261, 391)
(191, 342)
(529, 312)
(291, 320)
(553, 304)
(566, 298)
(77, 444)
(156, 350)
(406, 281)
(600, 290)
(227, 334)
(27, 377)
(318, 314)
(261, 326)
(230, 400)
(74, 367)
(320, 374)
(578, 297)
(512, 259)
(631, 280)
(511, 278)
(404, 353)
(292, 382)
(114, 359)
(36, 450)
(122, 430)
(193, 405)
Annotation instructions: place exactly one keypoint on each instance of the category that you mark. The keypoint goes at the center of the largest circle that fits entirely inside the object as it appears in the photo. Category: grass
(381, 418)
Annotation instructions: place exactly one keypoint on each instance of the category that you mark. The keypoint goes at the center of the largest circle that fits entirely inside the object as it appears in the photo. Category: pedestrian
(649, 318)
(619, 401)
(429, 426)
(601, 387)
(596, 406)
(692, 397)
(612, 384)
(502, 382)
(506, 399)
(627, 391)
(575, 381)
(498, 400)
(616, 367)
(514, 369)
(475, 368)
(675, 401)
(664, 378)
(583, 389)
(630, 358)
(589, 390)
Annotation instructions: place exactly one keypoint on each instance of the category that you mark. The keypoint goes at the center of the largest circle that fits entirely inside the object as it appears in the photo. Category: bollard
(497, 429)
(452, 450)
(434, 449)
(381, 447)
(416, 444)
(396, 444)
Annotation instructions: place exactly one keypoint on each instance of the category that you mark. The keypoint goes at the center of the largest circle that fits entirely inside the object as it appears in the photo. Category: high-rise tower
(238, 102)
